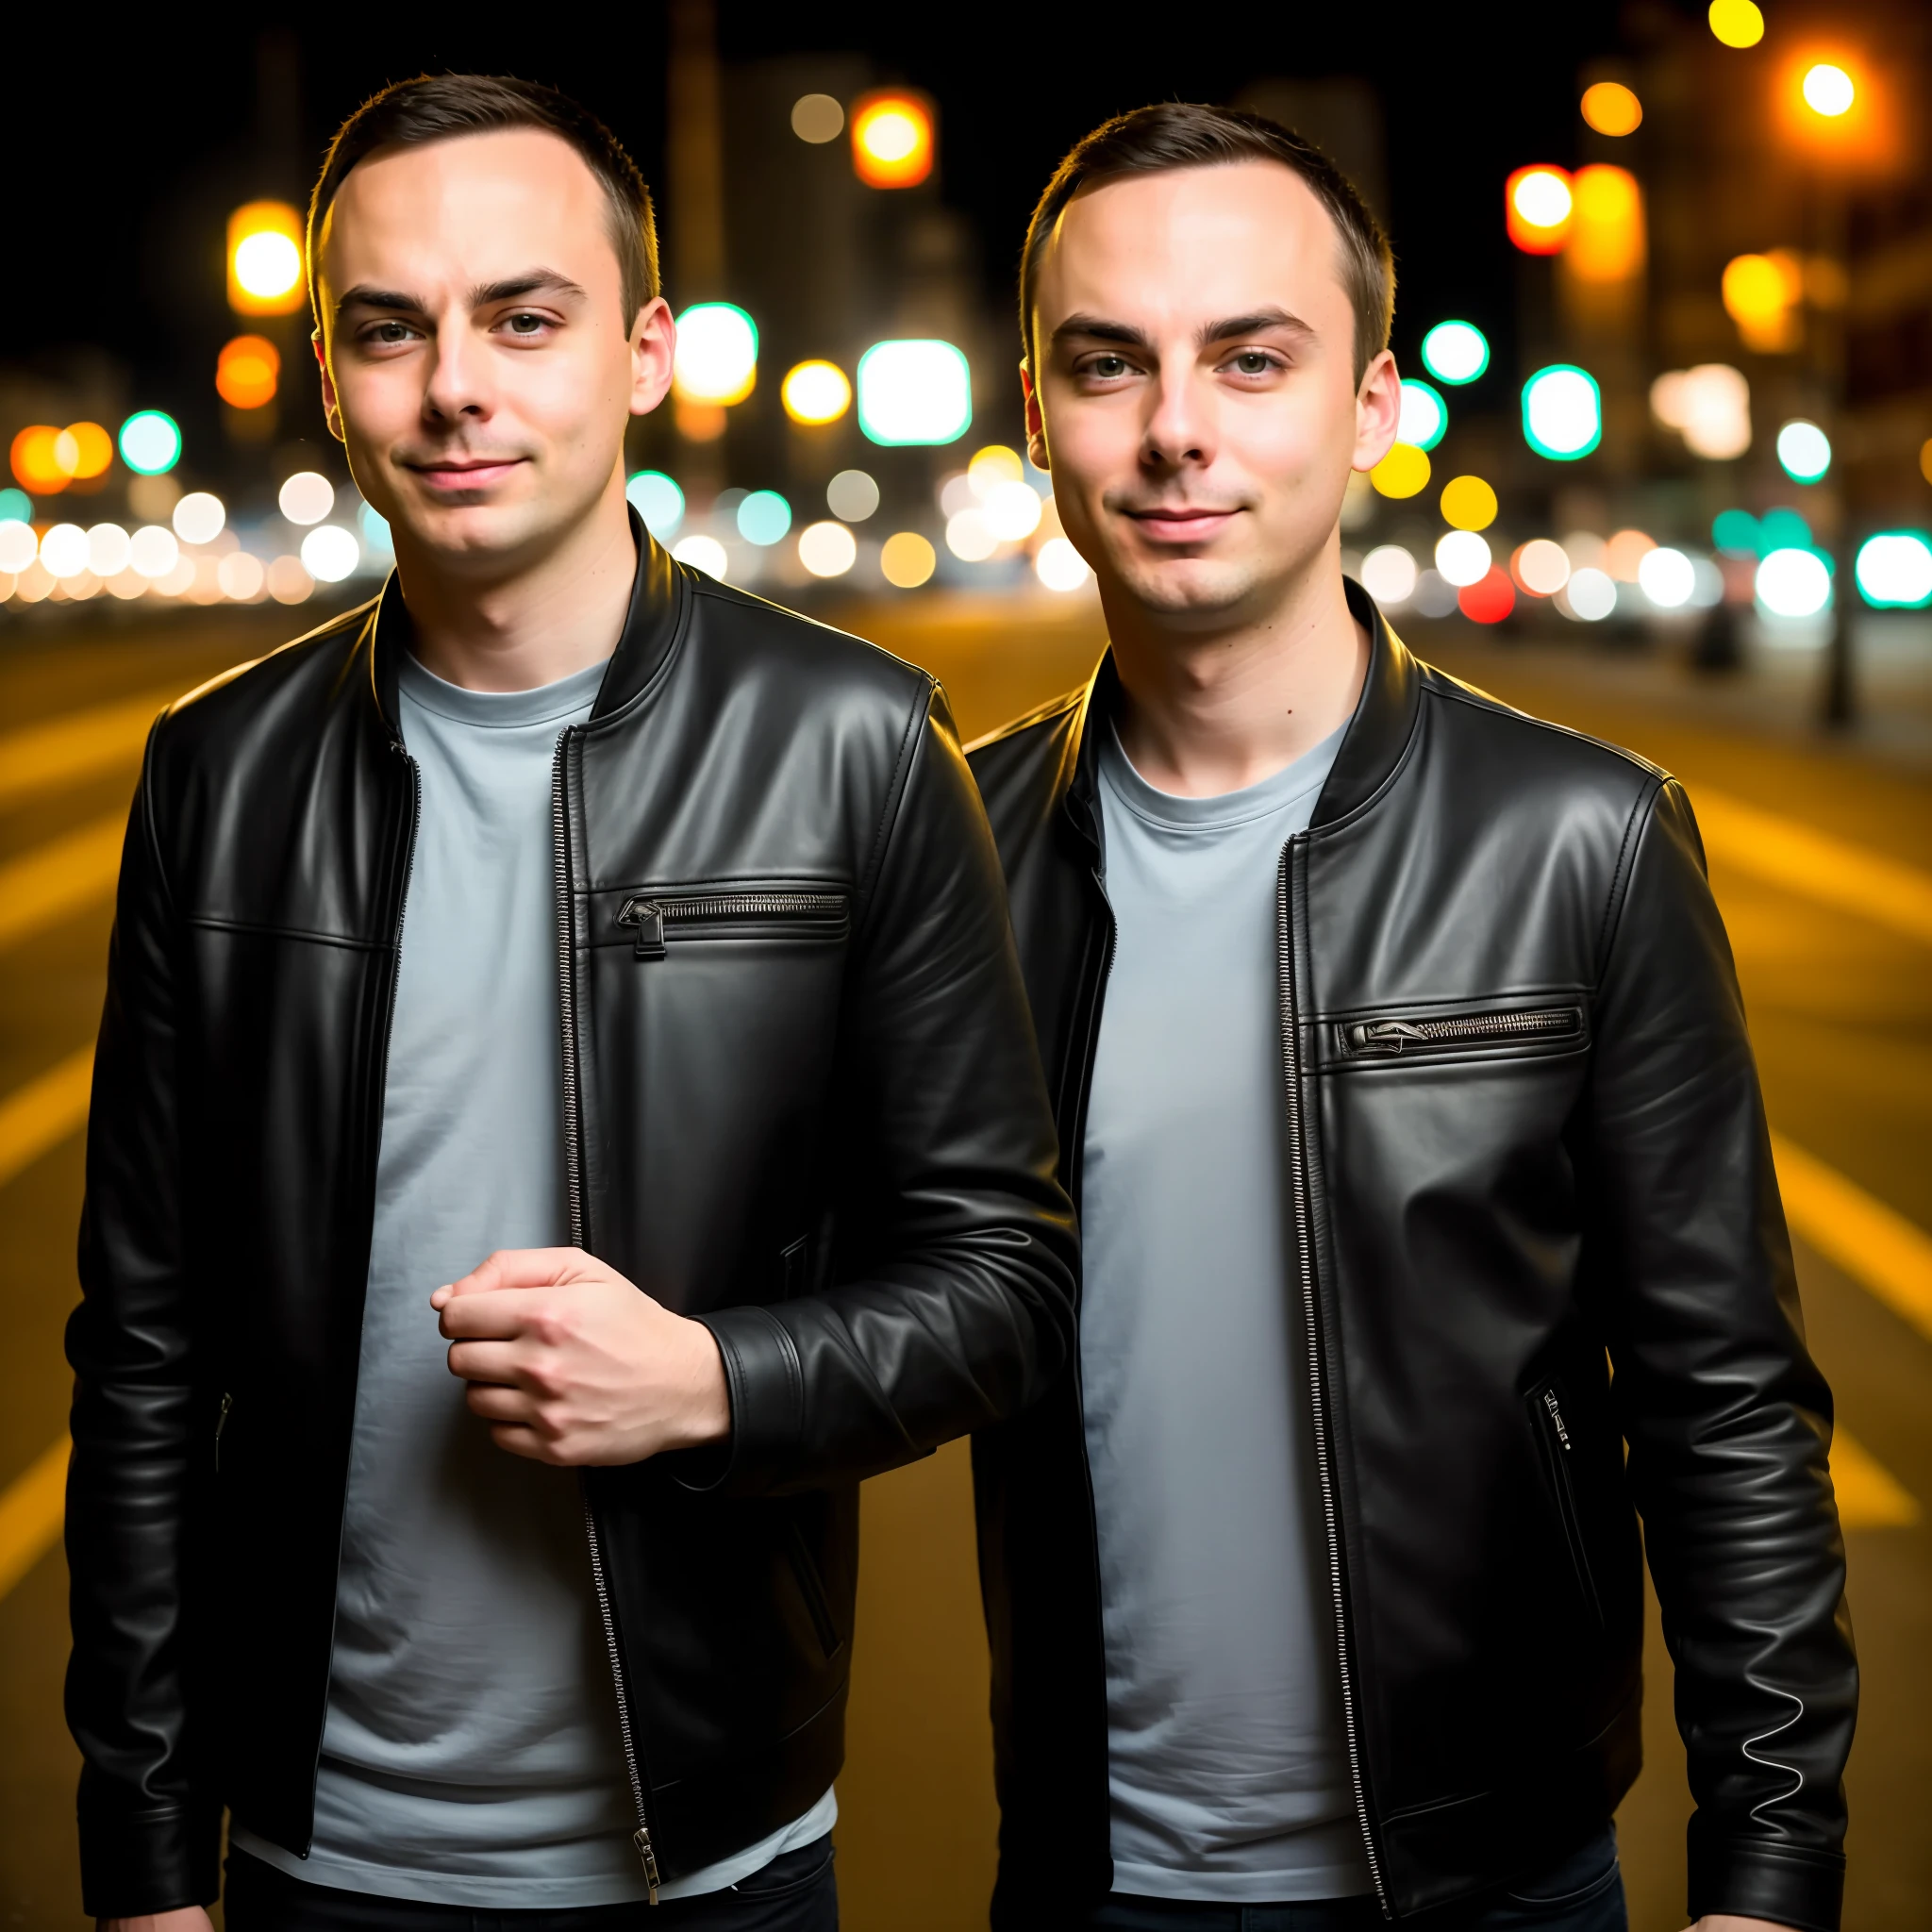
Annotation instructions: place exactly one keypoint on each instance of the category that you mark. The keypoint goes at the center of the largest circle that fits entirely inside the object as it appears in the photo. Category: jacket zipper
(221, 1424)
(1557, 1448)
(648, 916)
(573, 1169)
(1305, 1261)
(1468, 1029)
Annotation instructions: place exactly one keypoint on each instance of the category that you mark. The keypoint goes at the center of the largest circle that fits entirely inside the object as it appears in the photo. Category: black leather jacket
(802, 1104)
(1523, 1130)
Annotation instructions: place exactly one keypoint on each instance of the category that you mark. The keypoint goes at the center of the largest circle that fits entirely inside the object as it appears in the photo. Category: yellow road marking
(32, 1508)
(1869, 1496)
(1782, 851)
(56, 880)
(42, 1114)
(1874, 1244)
(64, 750)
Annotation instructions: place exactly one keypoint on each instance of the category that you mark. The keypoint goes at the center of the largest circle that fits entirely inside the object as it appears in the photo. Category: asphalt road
(1821, 856)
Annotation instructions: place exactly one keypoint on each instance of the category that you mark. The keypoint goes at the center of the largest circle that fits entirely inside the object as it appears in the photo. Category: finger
(502, 1317)
(505, 1364)
(511, 1268)
(496, 1404)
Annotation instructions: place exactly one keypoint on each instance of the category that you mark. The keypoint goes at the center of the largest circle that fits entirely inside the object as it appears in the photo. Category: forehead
(1194, 241)
(500, 199)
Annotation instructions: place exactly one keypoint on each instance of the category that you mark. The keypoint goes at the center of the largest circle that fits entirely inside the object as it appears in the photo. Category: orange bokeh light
(892, 138)
(248, 370)
(1862, 135)
(1607, 228)
(1538, 207)
(1610, 107)
(84, 450)
(37, 468)
(265, 244)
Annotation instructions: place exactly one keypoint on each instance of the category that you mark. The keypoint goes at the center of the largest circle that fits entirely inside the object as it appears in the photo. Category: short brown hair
(441, 106)
(1187, 134)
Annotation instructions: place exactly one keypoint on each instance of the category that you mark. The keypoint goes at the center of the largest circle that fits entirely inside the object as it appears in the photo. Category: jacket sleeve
(148, 1841)
(1728, 1421)
(951, 1303)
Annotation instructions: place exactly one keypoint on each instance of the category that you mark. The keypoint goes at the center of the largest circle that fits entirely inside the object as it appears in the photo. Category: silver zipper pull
(1388, 1036)
(641, 1837)
(221, 1424)
(645, 917)
(1557, 1417)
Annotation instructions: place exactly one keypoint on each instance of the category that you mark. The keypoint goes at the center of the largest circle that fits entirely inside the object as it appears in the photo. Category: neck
(539, 623)
(1212, 710)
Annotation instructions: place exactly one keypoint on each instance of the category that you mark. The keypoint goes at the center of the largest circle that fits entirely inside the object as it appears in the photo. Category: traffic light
(265, 273)
(892, 138)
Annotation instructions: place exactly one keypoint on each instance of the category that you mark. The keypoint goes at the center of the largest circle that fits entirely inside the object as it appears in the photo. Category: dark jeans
(793, 1893)
(1583, 1893)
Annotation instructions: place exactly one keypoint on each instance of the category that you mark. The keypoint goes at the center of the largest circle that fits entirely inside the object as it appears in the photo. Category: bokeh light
(763, 518)
(915, 391)
(84, 450)
(968, 537)
(288, 581)
(852, 496)
(656, 498)
(154, 551)
(815, 392)
(307, 497)
(330, 553)
(1667, 577)
(1011, 511)
(716, 360)
(199, 516)
(19, 547)
(242, 578)
(1736, 22)
(1793, 583)
(1804, 451)
(906, 560)
(150, 443)
(1610, 107)
(1708, 405)
(1624, 555)
(108, 550)
(1489, 599)
(992, 466)
(64, 550)
(1468, 503)
(1608, 239)
(828, 549)
(34, 465)
(265, 260)
(1562, 412)
(1591, 594)
(1388, 576)
(1456, 352)
(247, 372)
(1462, 557)
(16, 507)
(1425, 415)
(1538, 204)
(1404, 471)
(1828, 91)
(1894, 569)
(891, 139)
(817, 118)
(1060, 567)
(703, 553)
(1541, 567)
(1762, 294)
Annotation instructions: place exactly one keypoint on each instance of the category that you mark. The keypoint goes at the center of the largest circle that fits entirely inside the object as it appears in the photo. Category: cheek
(1290, 446)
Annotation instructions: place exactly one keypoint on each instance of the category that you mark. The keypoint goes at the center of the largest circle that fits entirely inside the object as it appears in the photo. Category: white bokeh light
(1389, 573)
(330, 553)
(828, 549)
(1793, 583)
(1060, 566)
(307, 497)
(1462, 557)
(1667, 577)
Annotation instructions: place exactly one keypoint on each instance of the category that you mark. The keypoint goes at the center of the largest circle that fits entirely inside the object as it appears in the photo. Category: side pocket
(810, 1587)
(1552, 1432)
(221, 1424)
(794, 1268)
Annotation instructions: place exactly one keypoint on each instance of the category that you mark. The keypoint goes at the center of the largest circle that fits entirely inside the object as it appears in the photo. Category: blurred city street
(1664, 476)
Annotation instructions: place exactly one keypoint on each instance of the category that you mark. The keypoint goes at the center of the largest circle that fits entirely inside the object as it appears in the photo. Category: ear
(1036, 423)
(1377, 412)
(331, 404)
(653, 348)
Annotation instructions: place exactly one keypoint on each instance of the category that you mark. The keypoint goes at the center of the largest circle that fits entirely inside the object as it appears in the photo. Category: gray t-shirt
(471, 1753)
(1226, 1752)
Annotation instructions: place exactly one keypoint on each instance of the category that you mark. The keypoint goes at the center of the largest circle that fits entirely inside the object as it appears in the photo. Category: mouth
(463, 473)
(1181, 523)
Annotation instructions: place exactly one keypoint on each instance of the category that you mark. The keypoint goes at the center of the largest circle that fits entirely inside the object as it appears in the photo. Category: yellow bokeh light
(890, 134)
(906, 560)
(84, 450)
(1404, 471)
(993, 465)
(1610, 107)
(1761, 295)
(1736, 22)
(265, 241)
(1606, 233)
(1828, 91)
(1926, 460)
(1468, 504)
(891, 139)
(816, 392)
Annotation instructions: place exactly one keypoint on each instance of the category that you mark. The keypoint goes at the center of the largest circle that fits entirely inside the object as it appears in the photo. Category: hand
(570, 1363)
(183, 1919)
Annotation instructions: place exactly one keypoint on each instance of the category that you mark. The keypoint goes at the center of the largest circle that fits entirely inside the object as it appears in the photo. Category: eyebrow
(1102, 328)
(531, 282)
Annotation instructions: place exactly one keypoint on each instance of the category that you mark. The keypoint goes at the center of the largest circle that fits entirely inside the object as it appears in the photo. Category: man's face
(1194, 395)
(476, 360)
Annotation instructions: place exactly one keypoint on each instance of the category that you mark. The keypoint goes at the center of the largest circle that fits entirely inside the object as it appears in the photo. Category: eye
(1107, 367)
(524, 324)
(390, 332)
(1253, 363)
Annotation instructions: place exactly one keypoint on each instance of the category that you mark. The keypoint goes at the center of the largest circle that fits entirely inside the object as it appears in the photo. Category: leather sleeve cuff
(767, 1389)
(1782, 1883)
(155, 1860)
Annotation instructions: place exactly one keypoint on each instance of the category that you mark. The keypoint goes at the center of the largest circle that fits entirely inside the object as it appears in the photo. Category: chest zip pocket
(1392, 1037)
(652, 921)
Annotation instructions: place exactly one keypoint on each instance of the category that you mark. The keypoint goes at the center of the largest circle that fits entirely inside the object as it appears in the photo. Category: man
(604, 964)
(1400, 1072)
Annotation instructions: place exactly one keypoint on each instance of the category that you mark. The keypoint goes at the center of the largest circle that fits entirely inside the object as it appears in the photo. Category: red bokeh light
(1489, 600)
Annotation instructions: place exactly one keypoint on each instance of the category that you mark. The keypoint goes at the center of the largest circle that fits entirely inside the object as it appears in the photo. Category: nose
(459, 381)
(1179, 431)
